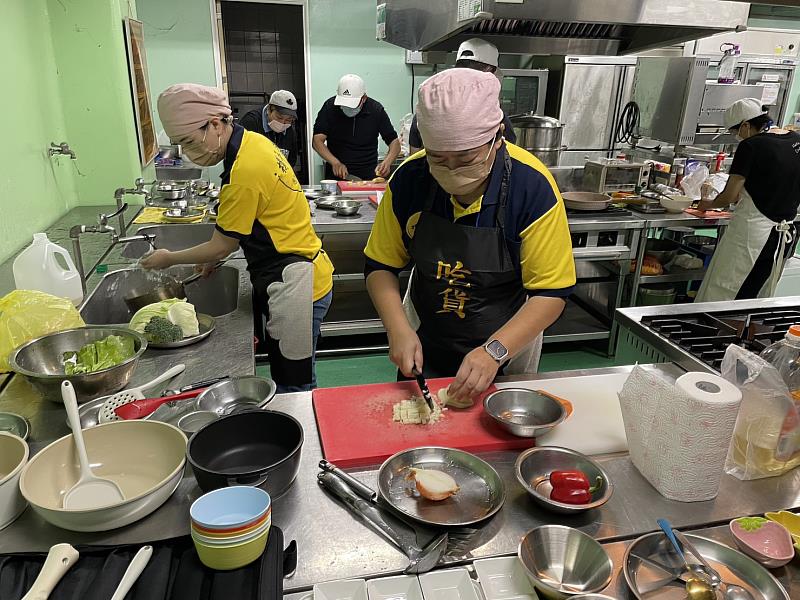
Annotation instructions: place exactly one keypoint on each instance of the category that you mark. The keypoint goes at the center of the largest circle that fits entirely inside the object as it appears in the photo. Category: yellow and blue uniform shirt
(263, 206)
(536, 228)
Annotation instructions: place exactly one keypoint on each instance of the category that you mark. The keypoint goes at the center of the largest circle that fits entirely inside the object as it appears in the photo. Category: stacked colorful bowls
(230, 526)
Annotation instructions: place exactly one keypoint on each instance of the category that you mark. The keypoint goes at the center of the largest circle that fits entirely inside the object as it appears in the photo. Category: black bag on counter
(173, 573)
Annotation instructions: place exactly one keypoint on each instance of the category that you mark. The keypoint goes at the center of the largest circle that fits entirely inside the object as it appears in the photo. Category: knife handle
(363, 490)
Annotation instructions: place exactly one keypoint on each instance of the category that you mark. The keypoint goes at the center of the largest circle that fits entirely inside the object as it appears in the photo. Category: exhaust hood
(609, 27)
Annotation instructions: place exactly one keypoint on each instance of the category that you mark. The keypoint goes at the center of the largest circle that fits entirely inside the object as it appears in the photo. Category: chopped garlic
(415, 411)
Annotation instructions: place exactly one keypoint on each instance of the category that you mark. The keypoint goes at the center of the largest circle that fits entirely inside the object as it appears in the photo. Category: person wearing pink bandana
(483, 224)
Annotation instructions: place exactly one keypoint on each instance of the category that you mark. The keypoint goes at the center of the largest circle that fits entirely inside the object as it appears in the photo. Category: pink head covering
(458, 109)
(186, 107)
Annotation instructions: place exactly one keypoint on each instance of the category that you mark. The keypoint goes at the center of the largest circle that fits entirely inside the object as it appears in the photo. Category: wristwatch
(496, 350)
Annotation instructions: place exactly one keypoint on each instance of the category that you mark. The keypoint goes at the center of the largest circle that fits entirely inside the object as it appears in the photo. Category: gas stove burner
(706, 336)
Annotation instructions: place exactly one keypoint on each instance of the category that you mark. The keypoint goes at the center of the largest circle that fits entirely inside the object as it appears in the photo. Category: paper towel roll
(709, 388)
(679, 434)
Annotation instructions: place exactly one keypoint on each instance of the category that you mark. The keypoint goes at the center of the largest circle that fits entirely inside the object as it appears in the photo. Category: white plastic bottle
(36, 268)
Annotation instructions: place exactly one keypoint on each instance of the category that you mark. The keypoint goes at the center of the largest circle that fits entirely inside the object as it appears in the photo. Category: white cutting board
(595, 425)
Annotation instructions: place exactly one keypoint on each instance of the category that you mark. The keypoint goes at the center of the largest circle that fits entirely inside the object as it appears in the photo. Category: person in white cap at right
(346, 133)
(479, 55)
(764, 183)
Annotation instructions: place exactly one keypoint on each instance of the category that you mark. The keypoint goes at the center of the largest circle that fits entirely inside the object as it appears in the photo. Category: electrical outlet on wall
(414, 57)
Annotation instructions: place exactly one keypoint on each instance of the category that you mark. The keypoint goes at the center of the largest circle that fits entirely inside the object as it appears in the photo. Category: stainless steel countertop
(332, 545)
(327, 221)
(684, 219)
(630, 318)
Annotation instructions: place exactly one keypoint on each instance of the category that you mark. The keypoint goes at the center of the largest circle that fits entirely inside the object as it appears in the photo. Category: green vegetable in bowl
(162, 331)
(99, 355)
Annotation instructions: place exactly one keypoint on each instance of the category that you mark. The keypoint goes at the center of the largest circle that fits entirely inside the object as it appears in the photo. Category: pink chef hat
(458, 109)
(186, 107)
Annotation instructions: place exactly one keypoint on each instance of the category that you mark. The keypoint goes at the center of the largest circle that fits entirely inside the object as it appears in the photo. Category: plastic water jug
(36, 268)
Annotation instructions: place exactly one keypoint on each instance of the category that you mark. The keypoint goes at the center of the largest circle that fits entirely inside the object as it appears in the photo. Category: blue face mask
(351, 112)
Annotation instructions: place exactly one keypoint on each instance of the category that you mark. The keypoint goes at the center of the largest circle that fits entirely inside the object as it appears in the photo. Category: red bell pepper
(573, 487)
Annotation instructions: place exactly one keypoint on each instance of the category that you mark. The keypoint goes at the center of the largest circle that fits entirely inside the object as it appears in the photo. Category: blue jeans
(320, 309)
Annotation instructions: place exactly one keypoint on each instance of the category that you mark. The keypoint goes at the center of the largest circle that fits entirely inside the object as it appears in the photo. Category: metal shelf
(576, 324)
(352, 327)
(691, 275)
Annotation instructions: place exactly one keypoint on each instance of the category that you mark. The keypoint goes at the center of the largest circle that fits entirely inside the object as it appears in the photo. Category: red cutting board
(356, 428)
(361, 188)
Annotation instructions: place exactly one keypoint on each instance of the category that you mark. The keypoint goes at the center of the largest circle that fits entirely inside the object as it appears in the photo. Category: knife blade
(423, 386)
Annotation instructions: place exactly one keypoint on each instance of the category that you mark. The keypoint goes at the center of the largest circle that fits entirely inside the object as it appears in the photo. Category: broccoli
(161, 331)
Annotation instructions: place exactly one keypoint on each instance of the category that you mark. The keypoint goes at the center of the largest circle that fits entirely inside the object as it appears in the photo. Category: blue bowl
(230, 507)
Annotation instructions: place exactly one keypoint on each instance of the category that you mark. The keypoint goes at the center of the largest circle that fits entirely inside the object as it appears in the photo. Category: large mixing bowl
(41, 361)
(145, 458)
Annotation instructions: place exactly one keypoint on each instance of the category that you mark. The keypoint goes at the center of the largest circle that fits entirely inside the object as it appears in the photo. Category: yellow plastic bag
(26, 315)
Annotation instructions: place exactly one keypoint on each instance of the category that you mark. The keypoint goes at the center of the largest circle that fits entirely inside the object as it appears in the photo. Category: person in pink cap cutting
(483, 224)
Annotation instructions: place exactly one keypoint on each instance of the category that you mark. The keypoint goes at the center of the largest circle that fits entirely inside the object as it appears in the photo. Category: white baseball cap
(285, 102)
(743, 110)
(478, 50)
(349, 91)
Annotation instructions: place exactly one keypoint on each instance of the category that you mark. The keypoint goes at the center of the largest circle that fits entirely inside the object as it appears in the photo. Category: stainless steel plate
(207, 324)
(733, 566)
(481, 492)
(16, 424)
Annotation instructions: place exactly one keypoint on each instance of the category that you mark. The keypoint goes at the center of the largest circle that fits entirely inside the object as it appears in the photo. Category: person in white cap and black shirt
(475, 54)
(764, 183)
(275, 120)
(346, 133)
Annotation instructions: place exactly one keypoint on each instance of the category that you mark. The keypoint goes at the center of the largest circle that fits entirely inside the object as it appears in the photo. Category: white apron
(738, 251)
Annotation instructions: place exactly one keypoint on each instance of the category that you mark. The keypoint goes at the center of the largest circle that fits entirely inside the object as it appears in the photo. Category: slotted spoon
(106, 413)
(89, 491)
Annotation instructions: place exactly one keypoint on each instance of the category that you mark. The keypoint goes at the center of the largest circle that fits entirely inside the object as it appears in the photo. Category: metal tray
(206, 323)
(733, 566)
(480, 496)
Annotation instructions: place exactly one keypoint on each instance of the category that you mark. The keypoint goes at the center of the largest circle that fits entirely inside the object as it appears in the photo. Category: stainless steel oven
(523, 91)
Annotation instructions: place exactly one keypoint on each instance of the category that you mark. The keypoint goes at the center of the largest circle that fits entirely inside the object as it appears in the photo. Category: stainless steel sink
(216, 296)
(170, 237)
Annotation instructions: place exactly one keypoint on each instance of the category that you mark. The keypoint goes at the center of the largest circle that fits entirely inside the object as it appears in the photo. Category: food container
(330, 186)
(563, 562)
(41, 361)
(523, 412)
(675, 204)
(347, 208)
(592, 201)
(541, 136)
(258, 448)
(145, 458)
(790, 521)
(656, 295)
(14, 424)
(534, 466)
(14, 454)
(700, 241)
(662, 250)
(237, 393)
(196, 420)
(763, 540)
(230, 509)
(171, 190)
(227, 558)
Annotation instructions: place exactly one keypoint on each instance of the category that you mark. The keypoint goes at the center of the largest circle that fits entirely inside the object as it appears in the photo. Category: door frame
(306, 66)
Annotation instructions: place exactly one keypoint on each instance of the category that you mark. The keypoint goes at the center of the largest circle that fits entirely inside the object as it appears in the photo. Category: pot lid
(538, 121)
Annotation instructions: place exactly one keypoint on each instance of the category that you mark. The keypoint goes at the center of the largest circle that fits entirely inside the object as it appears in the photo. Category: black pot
(258, 448)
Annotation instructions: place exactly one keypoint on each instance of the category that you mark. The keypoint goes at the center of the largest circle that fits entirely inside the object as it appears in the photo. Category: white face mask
(279, 127)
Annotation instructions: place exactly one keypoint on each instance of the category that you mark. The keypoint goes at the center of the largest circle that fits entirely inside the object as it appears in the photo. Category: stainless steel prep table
(333, 545)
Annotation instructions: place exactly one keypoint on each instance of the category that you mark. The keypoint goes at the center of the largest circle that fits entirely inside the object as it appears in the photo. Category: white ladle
(59, 560)
(90, 491)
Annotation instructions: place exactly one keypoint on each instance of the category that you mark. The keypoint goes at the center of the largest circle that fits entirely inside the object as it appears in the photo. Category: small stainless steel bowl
(14, 423)
(172, 190)
(193, 421)
(326, 202)
(523, 412)
(237, 393)
(563, 562)
(534, 466)
(41, 361)
(347, 208)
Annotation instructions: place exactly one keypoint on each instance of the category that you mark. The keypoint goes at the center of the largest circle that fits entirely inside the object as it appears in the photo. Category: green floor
(376, 368)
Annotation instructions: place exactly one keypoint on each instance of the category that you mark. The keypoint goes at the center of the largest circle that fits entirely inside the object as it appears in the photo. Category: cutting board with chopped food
(357, 427)
(361, 188)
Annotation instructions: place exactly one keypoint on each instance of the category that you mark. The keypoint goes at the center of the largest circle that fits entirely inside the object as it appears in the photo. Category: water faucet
(102, 227)
(119, 197)
(62, 148)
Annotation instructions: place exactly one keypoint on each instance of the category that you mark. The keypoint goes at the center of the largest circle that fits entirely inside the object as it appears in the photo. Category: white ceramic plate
(504, 579)
(452, 584)
(346, 589)
(404, 587)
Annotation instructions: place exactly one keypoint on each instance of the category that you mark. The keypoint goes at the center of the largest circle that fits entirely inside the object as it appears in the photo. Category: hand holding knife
(423, 386)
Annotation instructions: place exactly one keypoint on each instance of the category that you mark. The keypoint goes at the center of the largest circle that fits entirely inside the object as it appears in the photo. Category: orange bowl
(242, 529)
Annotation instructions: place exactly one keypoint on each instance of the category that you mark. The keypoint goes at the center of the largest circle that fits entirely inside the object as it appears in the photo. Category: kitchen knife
(423, 386)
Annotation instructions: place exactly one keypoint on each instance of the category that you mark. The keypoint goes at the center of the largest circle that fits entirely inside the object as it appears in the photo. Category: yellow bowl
(232, 557)
(790, 521)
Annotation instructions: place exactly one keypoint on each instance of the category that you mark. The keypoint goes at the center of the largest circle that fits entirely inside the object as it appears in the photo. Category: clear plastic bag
(405, 128)
(693, 182)
(26, 315)
(766, 439)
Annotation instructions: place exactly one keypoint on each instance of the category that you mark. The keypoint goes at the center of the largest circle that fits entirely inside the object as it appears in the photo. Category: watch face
(496, 349)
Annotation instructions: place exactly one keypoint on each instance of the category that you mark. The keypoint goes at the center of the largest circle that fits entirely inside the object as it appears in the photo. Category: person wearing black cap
(764, 183)
(275, 120)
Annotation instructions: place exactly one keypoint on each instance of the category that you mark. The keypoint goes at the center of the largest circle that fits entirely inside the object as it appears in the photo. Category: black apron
(465, 284)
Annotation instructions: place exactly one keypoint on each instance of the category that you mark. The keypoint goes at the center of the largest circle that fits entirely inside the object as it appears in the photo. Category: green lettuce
(99, 355)
(158, 309)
